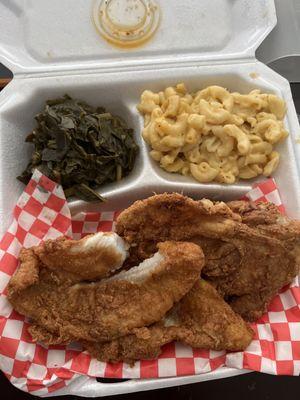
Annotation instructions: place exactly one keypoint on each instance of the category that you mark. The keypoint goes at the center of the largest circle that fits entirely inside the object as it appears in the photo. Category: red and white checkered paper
(42, 212)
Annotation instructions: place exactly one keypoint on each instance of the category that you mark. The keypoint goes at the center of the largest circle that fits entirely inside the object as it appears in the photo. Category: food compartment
(169, 117)
(120, 93)
(18, 114)
(242, 78)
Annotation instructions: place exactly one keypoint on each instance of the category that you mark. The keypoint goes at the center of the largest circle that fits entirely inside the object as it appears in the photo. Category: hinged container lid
(42, 36)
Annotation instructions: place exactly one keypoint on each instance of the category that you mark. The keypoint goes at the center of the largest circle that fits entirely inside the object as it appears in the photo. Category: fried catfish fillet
(269, 221)
(64, 308)
(95, 256)
(266, 218)
(201, 319)
(247, 266)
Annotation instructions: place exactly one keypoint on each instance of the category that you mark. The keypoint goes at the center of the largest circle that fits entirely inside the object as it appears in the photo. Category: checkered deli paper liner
(42, 213)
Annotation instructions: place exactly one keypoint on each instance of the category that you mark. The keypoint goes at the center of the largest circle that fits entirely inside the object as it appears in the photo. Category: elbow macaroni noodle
(213, 134)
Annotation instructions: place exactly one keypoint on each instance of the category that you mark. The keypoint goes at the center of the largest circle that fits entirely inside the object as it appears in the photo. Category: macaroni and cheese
(213, 134)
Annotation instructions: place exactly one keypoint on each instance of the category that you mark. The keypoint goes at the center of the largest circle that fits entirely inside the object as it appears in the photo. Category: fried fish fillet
(66, 308)
(94, 256)
(246, 265)
(255, 214)
(202, 319)
(269, 221)
(266, 219)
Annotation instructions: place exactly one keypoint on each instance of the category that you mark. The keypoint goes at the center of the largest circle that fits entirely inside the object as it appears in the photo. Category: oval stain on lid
(126, 23)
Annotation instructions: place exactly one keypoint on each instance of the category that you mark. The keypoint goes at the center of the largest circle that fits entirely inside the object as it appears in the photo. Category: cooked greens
(81, 147)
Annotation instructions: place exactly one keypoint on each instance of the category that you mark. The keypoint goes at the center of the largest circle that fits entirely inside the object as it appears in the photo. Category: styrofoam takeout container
(53, 48)
(281, 50)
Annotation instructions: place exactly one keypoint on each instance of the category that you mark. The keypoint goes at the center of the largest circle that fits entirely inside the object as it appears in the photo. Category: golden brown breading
(94, 256)
(202, 319)
(269, 221)
(254, 214)
(266, 219)
(210, 321)
(28, 275)
(98, 311)
(142, 344)
(170, 216)
(41, 334)
(247, 266)
(173, 215)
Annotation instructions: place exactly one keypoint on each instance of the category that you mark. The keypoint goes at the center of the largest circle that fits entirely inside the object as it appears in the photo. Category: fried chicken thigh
(64, 308)
(201, 319)
(247, 265)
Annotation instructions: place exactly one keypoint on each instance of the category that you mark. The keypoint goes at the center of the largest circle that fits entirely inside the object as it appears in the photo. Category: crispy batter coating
(64, 308)
(269, 221)
(173, 215)
(266, 219)
(247, 265)
(28, 275)
(94, 256)
(254, 214)
(144, 343)
(202, 319)
(210, 321)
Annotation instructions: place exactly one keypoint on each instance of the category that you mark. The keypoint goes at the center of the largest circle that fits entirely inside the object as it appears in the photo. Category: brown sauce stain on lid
(126, 23)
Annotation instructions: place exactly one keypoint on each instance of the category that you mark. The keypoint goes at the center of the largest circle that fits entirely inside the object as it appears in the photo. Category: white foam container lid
(53, 48)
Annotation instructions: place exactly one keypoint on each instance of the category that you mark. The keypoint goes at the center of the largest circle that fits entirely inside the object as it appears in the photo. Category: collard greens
(81, 147)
